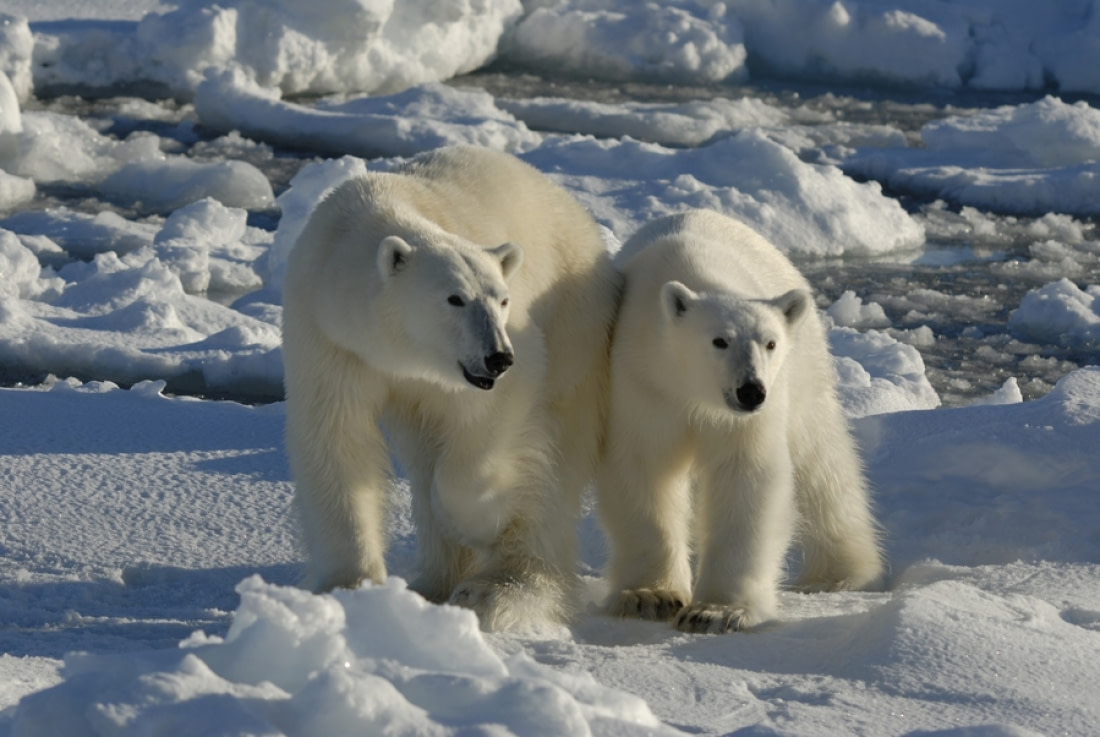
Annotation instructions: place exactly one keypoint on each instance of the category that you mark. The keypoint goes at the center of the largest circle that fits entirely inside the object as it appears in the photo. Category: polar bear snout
(493, 366)
(499, 362)
(749, 396)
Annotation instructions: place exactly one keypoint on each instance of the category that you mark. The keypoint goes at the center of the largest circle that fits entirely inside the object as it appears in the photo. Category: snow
(297, 48)
(148, 550)
(616, 40)
(120, 543)
(805, 209)
(1073, 314)
(420, 669)
(1030, 159)
(689, 124)
(397, 125)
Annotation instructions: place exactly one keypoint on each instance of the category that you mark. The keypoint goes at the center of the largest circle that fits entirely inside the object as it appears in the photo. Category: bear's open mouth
(481, 382)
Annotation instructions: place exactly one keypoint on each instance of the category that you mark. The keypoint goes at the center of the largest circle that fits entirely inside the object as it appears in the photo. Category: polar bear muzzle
(495, 365)
(750, 395)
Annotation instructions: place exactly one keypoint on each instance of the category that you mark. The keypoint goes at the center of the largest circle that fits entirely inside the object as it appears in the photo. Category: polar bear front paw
(489, 599)
(714, 619)
(509, 603)
(655, 604)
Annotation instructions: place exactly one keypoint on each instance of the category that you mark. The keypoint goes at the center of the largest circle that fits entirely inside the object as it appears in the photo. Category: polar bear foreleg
(837, 529)
(838, 532)
(340, 498)
(645, 507)
(525, 580)
(499, 498)
(746, 514)
(441, 561)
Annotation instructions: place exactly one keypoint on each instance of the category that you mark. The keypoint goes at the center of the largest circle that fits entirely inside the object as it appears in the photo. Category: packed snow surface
(158, 160)
(122, 543)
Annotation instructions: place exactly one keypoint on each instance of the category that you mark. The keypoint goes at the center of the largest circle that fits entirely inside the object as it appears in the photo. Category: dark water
(963, 286)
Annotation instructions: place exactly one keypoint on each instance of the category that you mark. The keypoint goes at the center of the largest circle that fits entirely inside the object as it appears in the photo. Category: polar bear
(454, 314)
(725, 434)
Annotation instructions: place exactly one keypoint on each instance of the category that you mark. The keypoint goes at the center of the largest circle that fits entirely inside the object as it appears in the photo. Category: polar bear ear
(393, 255)
(793, 305)
(510, 256)
(676, 297)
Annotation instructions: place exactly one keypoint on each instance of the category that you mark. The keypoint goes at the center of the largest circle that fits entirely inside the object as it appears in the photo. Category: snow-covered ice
(396, 125)
(297, 47)
(121, 543)
(1061, 308)
(1032, 159)
(158, 159)
(294, 46)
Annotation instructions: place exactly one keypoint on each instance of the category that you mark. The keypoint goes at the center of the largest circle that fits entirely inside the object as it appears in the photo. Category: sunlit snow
(932, 167)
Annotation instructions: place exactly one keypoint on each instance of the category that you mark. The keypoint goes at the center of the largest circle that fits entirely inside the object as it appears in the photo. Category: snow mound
(87, 156)
(16, 50)
(1032, 159)
(805, 209)
(11, 120)
(166, 184)
(22, 273)
(989, 484)
(1046, 133)
(128, 318)
(81, 235)
(15, 191)
(1062, 312)
(895, 43)
(403, 124)
(297, 46)
(878, 374)
(376, 660)
(673, 42)
(692, 123)
(132, 170)
(849, 311)
(913, 645)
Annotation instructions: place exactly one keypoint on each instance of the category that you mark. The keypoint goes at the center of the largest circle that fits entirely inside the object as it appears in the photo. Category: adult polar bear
(721, 381)
(407, 298)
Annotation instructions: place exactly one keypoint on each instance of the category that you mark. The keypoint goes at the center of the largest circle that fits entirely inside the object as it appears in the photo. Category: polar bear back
(457, 187)
(708, 251)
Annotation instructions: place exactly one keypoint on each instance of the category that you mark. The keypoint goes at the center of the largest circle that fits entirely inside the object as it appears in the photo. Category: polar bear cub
(455, 313)
(725, 434)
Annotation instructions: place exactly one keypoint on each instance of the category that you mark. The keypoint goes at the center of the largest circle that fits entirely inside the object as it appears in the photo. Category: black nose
(499, 362)
(751, 394)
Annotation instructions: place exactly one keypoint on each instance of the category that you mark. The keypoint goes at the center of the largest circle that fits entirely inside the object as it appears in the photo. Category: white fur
(725, 435)
(400, 288)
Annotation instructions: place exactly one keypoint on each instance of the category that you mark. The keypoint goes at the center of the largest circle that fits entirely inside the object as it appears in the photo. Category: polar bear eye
(721, 343)
(771, 345)
(455, 300)
(504, 302)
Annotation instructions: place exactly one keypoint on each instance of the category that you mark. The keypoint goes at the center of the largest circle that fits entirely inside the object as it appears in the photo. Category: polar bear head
(729, 349)
(442, 311)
